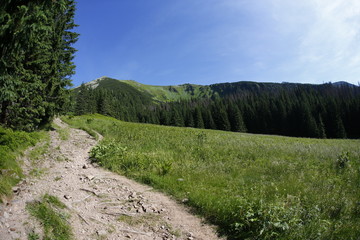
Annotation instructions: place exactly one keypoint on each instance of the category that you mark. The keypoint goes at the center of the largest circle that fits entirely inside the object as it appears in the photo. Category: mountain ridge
(329, 110)
(188, 91)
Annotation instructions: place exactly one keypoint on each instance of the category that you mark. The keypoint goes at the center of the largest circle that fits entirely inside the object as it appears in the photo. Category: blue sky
(170, 42)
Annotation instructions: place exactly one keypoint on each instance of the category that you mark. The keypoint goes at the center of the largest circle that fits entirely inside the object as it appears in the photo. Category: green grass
(251, 186)
(12, 145)
(148, 219)
(50, 212)
(172, 93)
(40, 150)
(64, 133)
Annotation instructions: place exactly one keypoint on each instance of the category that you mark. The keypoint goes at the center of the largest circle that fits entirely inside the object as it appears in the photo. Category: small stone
(16, 189)
(12, 229)
(6, 215)
(180, 179)
(84, 166)
(95, 165)
(185, 200)
(90, 177)
(67, 197)
(101, 232)
(190, 238)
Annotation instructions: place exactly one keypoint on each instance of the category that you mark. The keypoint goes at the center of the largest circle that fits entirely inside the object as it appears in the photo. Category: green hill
(156, 93)
(251, 186)
(172, 93)
(291, 109)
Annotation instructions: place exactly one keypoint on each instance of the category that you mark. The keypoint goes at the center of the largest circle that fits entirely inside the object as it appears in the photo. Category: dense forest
(36, 40)
(301, 110)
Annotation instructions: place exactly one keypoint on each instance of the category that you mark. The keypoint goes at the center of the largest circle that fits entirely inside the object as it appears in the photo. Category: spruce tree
(36, 60)
(199, 121)
(236, 120)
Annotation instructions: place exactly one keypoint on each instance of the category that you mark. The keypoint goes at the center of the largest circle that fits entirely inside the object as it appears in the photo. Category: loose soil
(101, 204)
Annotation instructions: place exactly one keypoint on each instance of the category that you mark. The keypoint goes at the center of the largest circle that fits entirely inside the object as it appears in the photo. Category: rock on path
(102, 204)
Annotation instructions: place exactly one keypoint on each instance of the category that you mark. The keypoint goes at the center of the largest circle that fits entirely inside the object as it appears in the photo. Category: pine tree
(35, 61)
(176, 118)
(81, 105)
(221, 117)
(189, 119)
(199, 122)
(321, 128)
(236, 120)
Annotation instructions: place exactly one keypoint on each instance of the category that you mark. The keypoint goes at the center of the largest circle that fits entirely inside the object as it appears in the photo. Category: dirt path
(96, 199)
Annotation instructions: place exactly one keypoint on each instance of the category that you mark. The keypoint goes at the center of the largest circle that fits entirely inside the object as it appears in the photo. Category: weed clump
(342, 161)
(49, 211)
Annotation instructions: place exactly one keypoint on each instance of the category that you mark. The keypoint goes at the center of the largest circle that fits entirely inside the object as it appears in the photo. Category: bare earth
(96, 199)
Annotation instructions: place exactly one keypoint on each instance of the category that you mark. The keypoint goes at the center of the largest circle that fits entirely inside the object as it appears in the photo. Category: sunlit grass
(12, 145)
(50, 212)
(251, 186)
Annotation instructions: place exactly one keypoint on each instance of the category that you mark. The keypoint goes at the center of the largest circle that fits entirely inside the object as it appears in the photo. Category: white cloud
(326, 37)
(333, 34)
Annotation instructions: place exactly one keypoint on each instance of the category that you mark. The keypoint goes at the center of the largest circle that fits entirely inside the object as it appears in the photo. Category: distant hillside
(330, 110)
(172, 93)
(156, 93)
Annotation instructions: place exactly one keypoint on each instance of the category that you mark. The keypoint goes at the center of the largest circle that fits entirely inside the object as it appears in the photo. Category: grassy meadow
(251, 186)
(12, 145)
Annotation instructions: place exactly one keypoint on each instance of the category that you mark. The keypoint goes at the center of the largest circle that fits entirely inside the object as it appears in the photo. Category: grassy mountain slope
(119, 87)
(251, 186)
(193, 91)
(172, 93)
(156, 93)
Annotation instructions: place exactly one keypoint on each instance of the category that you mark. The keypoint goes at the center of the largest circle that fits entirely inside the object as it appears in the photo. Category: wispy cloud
(328, 37)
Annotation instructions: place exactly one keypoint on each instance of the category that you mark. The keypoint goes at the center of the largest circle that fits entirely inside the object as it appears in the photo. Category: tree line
(300, 110)
(36, 55)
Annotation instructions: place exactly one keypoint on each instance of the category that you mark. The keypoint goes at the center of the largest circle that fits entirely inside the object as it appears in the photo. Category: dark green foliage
(199, 121)
(300, 110)
(236, 119)
(36, 60)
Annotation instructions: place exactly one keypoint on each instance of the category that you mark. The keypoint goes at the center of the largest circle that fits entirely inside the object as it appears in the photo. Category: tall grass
(50, 212)
(251, 186)
(12, 145)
